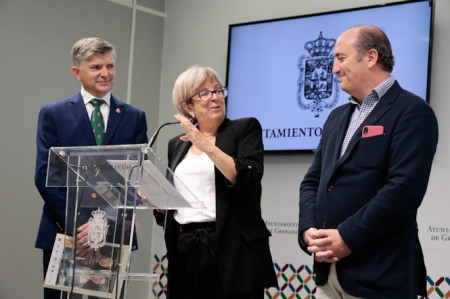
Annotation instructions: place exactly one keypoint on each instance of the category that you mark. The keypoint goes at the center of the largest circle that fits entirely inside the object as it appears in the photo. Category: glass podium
(107, 245)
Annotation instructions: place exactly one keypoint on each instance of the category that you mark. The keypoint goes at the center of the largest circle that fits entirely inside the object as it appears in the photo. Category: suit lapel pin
(118, 110)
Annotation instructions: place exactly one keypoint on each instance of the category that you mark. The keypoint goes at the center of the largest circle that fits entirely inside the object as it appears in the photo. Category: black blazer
(371, 195)
(245, 262)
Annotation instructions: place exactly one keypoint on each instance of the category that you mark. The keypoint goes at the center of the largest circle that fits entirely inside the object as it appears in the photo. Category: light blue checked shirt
(362, 111)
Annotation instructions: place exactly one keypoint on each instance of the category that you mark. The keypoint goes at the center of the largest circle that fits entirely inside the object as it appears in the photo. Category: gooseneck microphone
(192, 119)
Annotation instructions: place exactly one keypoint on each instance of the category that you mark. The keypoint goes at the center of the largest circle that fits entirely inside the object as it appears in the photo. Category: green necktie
(98, 126)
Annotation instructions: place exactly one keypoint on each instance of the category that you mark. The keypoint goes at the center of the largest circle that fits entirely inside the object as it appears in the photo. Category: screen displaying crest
(280, 71)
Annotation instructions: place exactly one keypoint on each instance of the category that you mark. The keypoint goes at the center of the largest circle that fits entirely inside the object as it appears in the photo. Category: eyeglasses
(206, 95)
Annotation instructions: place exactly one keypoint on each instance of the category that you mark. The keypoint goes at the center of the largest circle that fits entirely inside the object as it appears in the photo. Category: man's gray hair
(85, 47)
(372, 37)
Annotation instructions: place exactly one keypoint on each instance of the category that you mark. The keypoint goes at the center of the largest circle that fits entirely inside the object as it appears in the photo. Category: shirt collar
(87, 97)
(378, 91)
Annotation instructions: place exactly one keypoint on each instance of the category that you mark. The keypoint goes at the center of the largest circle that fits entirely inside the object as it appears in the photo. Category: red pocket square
(370, 131)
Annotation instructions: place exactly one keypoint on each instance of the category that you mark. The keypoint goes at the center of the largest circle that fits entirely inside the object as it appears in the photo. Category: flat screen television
(279, 71)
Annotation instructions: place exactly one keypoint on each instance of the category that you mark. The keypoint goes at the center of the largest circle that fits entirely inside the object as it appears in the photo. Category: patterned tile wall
(295, 282)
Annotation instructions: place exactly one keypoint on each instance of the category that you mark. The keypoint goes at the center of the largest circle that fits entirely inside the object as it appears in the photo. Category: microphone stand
(153, 138)
(192, 119)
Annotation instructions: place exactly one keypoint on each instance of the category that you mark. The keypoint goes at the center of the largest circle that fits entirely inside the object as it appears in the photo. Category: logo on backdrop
(438, 233)
(316, 81)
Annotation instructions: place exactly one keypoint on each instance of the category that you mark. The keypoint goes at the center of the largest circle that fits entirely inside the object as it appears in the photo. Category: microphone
(192, 119)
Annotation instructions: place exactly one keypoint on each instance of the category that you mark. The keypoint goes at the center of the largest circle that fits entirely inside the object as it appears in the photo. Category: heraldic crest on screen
(316, 81)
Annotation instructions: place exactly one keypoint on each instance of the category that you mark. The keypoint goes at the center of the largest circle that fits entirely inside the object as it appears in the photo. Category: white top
(87, 97)
(197, 174)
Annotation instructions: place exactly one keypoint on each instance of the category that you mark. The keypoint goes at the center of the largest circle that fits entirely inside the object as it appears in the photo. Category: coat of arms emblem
(97, 229)
(316, 82)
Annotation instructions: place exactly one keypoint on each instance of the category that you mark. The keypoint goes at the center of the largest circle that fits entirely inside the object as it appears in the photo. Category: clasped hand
(327, 245)
(83, 248)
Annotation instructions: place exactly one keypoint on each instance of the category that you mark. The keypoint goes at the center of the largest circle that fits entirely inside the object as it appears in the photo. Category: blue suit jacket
(371, 195)
(66, 123)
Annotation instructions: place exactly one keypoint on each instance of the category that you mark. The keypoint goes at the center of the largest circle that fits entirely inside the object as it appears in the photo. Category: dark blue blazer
(66, 123)
(371, 195)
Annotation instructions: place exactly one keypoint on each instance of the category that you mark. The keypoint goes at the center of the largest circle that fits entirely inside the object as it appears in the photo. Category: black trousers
(197, 258)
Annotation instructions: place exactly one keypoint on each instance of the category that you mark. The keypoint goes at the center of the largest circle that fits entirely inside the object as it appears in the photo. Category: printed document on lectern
(95, 275)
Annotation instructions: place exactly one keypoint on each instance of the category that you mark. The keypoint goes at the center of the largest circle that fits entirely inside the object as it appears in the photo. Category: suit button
(250, 167)
(330, 188)
(324, 225)
(93, 195)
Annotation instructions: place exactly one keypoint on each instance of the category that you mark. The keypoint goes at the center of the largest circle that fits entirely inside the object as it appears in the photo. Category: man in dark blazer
(359, 198)
(68, 123)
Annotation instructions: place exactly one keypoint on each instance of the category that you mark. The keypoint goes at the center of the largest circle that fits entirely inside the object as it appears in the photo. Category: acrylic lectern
(107, 246)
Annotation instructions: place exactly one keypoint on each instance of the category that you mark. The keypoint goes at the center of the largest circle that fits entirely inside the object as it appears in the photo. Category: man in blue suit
(359, 198)
(68, 123)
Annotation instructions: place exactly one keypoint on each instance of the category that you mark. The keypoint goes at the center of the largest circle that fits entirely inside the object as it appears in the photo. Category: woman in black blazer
(221, 251)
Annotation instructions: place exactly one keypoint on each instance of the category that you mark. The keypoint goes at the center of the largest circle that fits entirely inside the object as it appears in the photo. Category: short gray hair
(85, 47)
(188, 82)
